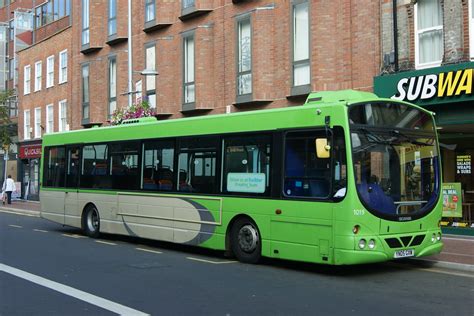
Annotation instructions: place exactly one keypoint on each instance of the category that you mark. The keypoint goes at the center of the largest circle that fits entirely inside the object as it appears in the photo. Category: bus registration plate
(404, 253)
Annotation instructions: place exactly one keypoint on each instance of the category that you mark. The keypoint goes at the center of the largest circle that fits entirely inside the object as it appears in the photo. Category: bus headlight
(371, 244)
(433, 238)
(362, 243)
(438, 237)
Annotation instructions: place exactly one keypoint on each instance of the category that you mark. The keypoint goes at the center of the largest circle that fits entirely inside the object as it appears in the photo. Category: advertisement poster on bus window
(452, 200)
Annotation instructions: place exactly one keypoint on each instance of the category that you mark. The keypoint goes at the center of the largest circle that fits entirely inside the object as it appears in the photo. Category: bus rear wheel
(245, 241)
(91, 222)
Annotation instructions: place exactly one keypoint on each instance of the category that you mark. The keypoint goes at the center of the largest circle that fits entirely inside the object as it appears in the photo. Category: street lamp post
(130, 64)
(6, 148)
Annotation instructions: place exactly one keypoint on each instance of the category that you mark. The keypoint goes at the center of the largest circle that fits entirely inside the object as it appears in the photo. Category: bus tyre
(245, 241)
(91, 222)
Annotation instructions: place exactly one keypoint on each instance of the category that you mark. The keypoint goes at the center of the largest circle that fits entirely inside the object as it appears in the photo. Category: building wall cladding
(455, 15)
(344, 41)
(52, 95)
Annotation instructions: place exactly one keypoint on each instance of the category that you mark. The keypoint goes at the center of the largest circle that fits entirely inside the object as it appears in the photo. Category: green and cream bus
(346, 178)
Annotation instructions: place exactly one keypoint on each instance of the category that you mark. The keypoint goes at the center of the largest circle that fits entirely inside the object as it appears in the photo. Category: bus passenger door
(72, 215)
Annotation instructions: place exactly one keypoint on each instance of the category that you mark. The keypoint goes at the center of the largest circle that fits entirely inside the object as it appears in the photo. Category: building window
(85, 92)
(149, 10)
(62, 118)
(188, 4)
(56, 9)
(244, 57)
(50, 72)
(429, 33)
(188, 56)
(26, 79)
(85, 22)
(38, 17)
(26, 124)
(11, 26)
(150, 81)
(112, 17)
(112, 84)
(11, 68)
(37, 122)
(63, 66)
(51, 11)
(38, 70)
(63, 8)
(301, 64)
(49, 118)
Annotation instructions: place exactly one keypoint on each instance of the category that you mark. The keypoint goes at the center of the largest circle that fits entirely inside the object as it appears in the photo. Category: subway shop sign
(446, 84)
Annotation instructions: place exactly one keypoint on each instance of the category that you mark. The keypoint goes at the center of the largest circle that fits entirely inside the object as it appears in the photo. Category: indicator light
(356, 229)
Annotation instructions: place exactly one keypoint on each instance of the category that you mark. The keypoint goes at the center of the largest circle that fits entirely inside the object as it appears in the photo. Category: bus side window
(124, 165)
(247, 164)
(54, 167)
(158, 165)
(94, 167)
(197, 164)
(306, 175)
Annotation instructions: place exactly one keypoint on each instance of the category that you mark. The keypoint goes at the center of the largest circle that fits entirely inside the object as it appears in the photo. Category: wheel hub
(93, 221)
(248, 238)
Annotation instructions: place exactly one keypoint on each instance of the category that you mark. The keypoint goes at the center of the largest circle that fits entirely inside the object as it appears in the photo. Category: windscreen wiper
(411, 140)
(374, 138)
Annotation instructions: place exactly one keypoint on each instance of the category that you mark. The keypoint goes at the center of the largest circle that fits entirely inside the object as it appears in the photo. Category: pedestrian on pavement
(8, 188)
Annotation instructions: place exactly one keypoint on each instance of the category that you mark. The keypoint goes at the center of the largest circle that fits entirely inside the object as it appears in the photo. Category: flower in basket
(137, 110)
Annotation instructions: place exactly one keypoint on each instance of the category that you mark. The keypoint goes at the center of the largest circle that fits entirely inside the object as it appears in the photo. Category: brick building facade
(344, 53)
(212, 56)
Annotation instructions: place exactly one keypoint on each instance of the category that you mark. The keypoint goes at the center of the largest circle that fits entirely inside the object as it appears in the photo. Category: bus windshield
(395, 158)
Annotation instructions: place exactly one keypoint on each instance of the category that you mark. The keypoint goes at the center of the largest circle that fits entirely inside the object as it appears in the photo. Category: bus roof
(331, 103)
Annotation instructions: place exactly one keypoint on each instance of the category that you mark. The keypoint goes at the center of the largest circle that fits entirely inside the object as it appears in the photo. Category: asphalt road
(47, 269)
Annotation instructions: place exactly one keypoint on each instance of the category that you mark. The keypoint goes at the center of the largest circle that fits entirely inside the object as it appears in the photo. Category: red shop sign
(30, 151)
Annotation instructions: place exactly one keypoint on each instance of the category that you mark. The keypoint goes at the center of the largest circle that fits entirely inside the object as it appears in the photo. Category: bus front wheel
(91, 222)
(245, 241)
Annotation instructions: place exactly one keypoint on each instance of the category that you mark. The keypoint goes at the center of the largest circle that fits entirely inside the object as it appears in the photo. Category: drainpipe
(395, 35)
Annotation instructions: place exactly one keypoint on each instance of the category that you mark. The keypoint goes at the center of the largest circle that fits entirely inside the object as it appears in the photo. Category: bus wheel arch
(91, 220)
(243, 239)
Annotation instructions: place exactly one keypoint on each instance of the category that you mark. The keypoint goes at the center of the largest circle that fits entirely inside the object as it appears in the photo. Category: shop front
(30, 160)
(448, 92)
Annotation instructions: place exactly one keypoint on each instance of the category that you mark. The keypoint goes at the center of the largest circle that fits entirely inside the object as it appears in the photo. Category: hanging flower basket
(137, 110)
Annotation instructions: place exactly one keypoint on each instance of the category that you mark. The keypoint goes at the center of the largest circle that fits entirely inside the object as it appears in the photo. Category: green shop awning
(428, 87)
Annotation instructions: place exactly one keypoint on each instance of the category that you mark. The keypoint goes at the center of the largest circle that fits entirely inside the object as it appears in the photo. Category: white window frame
(26, 124)
(471, 29)
(50, 71)
(85, 12)
(62, 120)
(49, 118)
(38, 75)
(27, 79)
(112, 85)
(419, 65)
(150, 81)
(38, 122)
(244, 56)
(63, 66)
(301, 44)
(189, 83)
